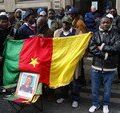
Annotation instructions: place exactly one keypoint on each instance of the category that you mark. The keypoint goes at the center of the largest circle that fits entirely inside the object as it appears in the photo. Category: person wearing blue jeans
(104, 46)
(96, 78)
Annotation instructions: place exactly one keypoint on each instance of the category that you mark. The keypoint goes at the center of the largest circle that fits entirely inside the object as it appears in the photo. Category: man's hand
(101, 47)
(41, 35)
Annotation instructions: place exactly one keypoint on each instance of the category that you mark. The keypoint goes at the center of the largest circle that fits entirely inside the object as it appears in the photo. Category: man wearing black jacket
(5, 29)
(27, 29)
(116, 26)
(104, 47)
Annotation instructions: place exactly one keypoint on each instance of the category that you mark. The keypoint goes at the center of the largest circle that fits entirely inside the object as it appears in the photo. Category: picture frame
(27, 85)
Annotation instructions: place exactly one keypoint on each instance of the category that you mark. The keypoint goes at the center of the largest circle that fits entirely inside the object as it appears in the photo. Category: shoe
(105, 109)
(60, 100)
(93, 108)
(75, 104)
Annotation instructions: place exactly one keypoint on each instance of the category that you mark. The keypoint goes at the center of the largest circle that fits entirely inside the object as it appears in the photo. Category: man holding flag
(65, 31)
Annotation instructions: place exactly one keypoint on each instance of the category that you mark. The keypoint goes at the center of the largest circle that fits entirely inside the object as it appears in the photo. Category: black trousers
(75, 85)
(81, 78)
(74, 88)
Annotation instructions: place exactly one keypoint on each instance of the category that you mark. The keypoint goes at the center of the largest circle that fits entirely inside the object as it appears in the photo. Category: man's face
(105, 24)
(18, 14)
(113, 12)
(66, 26)
(93, 9)
(51, 14)
(31, 19)
(28, 81)
(4, 24)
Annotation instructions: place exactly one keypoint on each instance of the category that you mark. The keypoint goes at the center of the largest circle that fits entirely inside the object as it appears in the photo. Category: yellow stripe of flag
(66, 54)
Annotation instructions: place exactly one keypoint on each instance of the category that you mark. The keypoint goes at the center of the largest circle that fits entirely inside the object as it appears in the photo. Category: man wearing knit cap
(16, 21)
(52, 21)
(68, 30)
(77, 22)
(27, 29)
(80, 25)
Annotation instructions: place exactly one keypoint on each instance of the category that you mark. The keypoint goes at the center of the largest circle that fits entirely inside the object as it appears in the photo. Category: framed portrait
(27, 85)
(95, 4)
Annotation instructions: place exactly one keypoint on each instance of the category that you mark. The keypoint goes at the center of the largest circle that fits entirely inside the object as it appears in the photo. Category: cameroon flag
(54, 59)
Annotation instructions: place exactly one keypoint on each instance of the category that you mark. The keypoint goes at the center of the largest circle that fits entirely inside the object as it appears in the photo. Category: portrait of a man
(26, 87)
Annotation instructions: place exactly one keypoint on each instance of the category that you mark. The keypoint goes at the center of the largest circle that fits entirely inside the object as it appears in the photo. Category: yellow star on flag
(34, 62)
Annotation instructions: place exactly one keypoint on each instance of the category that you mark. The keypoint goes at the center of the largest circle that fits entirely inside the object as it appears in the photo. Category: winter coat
(24, 32)
(112, 46)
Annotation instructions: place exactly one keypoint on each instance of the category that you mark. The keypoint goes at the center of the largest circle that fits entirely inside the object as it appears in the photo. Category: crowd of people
(104, 46)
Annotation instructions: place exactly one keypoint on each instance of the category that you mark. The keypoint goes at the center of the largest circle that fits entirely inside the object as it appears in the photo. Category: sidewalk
(53, 107)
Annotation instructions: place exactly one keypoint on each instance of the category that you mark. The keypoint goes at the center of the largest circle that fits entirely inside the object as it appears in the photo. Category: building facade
(101, 5)
(83, 5)
(11, 5)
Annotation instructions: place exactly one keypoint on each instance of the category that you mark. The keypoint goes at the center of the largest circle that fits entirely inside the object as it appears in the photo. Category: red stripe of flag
(36, 56)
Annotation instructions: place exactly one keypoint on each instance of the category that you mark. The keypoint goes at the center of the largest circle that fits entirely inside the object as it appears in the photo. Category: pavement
(53, 107)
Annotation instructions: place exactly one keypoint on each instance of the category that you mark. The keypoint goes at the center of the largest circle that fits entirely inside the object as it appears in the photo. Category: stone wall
(11, 5)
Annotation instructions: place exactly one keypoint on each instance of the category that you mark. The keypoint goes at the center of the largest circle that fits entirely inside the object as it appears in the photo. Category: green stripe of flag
(11, 63)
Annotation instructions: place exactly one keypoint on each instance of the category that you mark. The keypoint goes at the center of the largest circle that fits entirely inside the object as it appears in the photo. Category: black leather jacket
(112, 46)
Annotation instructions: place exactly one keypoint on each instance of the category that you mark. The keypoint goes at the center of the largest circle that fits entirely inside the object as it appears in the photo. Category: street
(53, 107)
